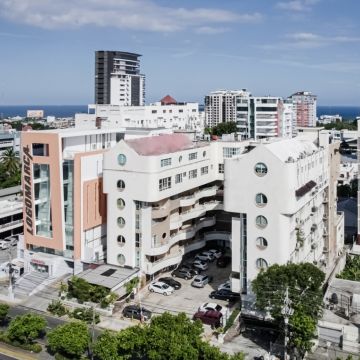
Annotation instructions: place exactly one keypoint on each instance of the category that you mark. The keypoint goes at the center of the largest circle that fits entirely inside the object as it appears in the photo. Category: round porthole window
(261, 243)
(121, 222)
(260, 169)
(121, 159)
(121, 240)
(121, 259)
(261, 263)
(120, 185)
(164, 235)
(120, 203)
(261, 221)
(260, 199)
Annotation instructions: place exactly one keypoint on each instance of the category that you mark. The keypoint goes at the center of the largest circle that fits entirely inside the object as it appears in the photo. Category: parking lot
(187, 299)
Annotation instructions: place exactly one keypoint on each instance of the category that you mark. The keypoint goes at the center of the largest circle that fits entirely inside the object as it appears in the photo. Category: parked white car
(226, 285)
(215, 253)
(205, 256)
(213, 307)
(202, 265)
(161, 288)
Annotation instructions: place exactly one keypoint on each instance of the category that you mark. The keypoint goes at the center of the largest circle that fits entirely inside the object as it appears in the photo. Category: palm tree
(10, 162)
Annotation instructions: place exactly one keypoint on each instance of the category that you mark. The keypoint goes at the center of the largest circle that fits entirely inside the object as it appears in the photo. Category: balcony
(217, 235)
(191, 199)
(160, 211)
(181, 235)
(11, 225)
(168, 260)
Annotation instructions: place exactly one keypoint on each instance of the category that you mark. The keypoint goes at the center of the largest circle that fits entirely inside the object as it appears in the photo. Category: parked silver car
(201, 280)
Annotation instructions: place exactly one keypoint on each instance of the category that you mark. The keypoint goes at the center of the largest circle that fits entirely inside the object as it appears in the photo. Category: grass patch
(231, 319)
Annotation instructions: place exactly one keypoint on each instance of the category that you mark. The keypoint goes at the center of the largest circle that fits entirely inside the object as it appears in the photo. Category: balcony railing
(11, 224)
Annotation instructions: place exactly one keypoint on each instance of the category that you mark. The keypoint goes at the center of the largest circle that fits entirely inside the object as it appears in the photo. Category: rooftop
(161, 144)
(108, 276)
(14, 204)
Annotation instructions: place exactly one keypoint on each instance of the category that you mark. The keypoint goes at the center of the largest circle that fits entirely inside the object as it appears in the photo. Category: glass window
(40, 149)
(121, 259)
(121, 159)
(261, 221)
(260, 199)
(120, 203)
(165, 183)
(204, 153)
(261, 263)
(121, 240)
(121, 222)
(137, 240)
(180, 159)
(192, 174)
(165, 162)
(261, 243)
(204, 170)
(260, 169)
(120, 185)
(178, 178)
(221, 168)
(193, 156)
(230, 152)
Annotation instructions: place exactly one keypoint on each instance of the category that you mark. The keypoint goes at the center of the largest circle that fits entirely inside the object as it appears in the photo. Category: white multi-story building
(220, 106)
(304, 109)
(179, 116)
(255, 117)
(271, 202)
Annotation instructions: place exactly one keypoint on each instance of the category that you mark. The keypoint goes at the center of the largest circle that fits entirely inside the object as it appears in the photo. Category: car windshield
(165, 286)
(218, 308)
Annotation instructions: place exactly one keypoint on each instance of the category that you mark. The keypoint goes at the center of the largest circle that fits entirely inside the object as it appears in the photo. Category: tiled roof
(168, 100)
(161, 144)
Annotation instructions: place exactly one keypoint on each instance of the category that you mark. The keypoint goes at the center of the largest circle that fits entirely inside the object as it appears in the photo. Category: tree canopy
(351, 270)
(10, 172)
(304, 283)
(166, 337)
(26, 328)
(70, 340)
(4, 309)
(228, 127)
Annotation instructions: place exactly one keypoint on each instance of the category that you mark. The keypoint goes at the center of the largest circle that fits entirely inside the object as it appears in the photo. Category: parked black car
(223, 261)
(225, 294)
(170, 281)
(193, 270)
(182, 273)
(135, 312)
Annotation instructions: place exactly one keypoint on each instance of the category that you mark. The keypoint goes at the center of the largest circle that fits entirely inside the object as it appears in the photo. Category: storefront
(39, 266)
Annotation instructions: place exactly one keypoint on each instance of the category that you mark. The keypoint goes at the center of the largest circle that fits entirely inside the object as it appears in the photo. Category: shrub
(4, 309)
(231, 319)
(56, 307)
(36, 348)
(85, 314)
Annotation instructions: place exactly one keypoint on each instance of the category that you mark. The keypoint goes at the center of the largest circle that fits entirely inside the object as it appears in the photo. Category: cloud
(296, 5)
(308, 40)
(145, 15)
(209, 30)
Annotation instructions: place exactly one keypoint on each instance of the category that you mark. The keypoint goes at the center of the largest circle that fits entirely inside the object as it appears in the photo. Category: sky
(188, 47)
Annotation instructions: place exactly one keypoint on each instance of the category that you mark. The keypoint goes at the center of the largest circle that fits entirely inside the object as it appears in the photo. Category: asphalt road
(5, 357)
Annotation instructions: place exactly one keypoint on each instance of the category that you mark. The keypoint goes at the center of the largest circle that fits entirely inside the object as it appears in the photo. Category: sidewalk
(17, 353)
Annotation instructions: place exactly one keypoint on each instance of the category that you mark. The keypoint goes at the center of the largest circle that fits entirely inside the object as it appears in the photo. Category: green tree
(228, 127)
(10, 162)
(26, 328)
(344, 191)
(304, 283)
(4, 309)
(351, 270)
(166, 337)
(70, 340)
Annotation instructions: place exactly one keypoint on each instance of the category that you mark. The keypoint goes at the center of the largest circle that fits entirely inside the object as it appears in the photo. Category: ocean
(347, 112)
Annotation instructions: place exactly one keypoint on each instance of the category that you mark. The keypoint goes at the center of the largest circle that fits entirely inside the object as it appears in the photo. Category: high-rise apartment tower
(117, 79)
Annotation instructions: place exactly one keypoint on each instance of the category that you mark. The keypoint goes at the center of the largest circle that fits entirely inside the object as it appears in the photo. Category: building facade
(304, 108)
(179, 116)
(118, 80)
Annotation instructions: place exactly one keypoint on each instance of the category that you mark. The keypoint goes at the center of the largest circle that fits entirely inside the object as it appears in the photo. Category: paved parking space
(187, 299)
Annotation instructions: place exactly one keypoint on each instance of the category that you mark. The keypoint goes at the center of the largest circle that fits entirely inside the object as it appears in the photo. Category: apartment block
(255, 117)
(304, 108)
(117, 79)
(270, 201)
(175, 116)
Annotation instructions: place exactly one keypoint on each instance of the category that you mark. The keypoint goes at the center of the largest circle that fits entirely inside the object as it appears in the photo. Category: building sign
(27, 161)
(37, 262)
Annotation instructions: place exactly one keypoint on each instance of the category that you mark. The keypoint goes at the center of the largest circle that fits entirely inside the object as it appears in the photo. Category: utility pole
(286, 311)
(11, 294)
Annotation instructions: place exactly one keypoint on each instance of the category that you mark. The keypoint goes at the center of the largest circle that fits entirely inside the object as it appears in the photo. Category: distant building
(304, 108)
(167, 113)
(329, 119)
(35, 114)
(117, 79)
(256, 117)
